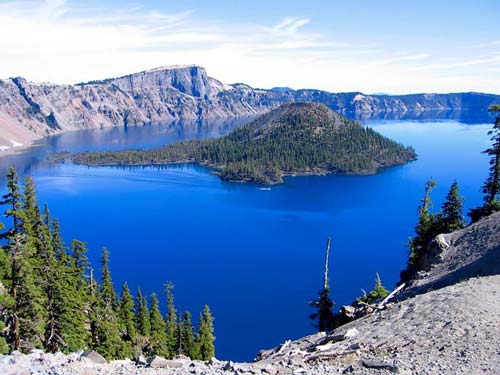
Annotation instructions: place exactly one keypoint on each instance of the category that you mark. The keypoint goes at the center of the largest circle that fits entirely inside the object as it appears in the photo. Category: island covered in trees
(294, 139)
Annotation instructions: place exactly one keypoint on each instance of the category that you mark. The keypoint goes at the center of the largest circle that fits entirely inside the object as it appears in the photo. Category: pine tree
(452, 208)
(53, 279)
(47, 301)
(6, 301)
(187, 341)
(205, 337)
(491, 187)
(27, 313)
(12, 199)
(32, 217)
(15, 238)
(105, 323)
(158, 336)
(324, 304)
(107, 290)
(78, 255)
(142, 322)
(127, 326)
(75, 293)
(56, 239)
(426, 222)
(379, 292)
(171, 321)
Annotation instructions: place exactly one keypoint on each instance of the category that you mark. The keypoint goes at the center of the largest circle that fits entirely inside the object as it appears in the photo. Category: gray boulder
(93, 357)
(159, 362)
(140, 360)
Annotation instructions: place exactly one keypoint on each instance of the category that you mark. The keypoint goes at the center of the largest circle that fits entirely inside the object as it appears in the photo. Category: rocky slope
(451, 330)
(31, 110)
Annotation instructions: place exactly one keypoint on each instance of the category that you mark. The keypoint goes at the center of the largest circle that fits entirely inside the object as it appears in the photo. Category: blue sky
(370, 46)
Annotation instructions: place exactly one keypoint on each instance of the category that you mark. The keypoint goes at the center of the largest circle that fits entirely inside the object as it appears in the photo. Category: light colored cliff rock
(30, 110)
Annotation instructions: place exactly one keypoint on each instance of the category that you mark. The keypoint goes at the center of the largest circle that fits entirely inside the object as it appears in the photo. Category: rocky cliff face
(30, 110)
(451, 328)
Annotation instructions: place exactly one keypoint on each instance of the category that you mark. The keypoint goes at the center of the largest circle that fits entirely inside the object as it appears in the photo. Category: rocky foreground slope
(31, 110)
(451, 328)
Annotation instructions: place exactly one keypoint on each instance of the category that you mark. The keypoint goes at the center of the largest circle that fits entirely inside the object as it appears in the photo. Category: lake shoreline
(221, 240)
(215, 170)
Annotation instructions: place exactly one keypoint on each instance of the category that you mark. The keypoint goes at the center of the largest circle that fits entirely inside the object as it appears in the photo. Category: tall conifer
(126, 319)
(171, 321)
(143, 323)
(158, 337)
(106, 335)
(452, 208)
(491, 187)
(205, 337)
(187, 337)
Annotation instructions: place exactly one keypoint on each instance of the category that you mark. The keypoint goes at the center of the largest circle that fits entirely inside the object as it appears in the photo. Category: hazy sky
(372, 46)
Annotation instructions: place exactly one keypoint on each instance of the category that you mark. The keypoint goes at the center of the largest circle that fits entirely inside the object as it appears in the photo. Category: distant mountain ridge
(32, 110)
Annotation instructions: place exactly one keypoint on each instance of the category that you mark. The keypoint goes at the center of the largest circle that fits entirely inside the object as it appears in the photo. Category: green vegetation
(491, 187)
(429, 225)
(50, 299)
(298, 138)
(450, 217)
(324, 316)
(378, 293)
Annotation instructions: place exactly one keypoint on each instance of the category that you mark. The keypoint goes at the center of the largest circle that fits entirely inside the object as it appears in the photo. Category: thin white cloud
(454, 64)
(57, 41)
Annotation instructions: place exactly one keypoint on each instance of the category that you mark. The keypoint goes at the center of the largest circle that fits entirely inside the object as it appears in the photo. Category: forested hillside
(50, 297)
(298, 138)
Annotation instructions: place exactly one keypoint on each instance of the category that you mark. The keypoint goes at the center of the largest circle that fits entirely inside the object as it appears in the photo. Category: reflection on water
(254, 255)
(158, 134)
(115, 138)
(465, 117)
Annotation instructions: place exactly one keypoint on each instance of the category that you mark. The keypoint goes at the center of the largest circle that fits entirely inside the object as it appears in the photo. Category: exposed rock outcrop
(30, 110)
(471, 252)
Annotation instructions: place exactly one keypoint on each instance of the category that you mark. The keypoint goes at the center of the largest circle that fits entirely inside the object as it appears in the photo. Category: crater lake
(255, 254)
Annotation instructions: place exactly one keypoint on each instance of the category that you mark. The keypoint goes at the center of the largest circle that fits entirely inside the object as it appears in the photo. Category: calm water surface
(254, 255)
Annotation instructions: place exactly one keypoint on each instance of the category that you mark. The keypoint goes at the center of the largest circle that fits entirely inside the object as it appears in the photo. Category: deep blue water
(255, 256)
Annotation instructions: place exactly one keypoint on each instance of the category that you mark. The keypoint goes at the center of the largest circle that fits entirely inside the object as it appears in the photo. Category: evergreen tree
(426, 222)
(171, 321)
(452, 209)
(379, 292)
(75, 292)
(31, 211)
(27, 313)
(107, 289)
(47, 301)
(6, 301)
(79, 256)
(57, 241)
(205, 337)
(12, 199)
(52, 279)
(142, 322)
(158, 337)
(106, 331)
(491, 187)
(15, 238)
(187, 340)
(127, 326)
(324, 304)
